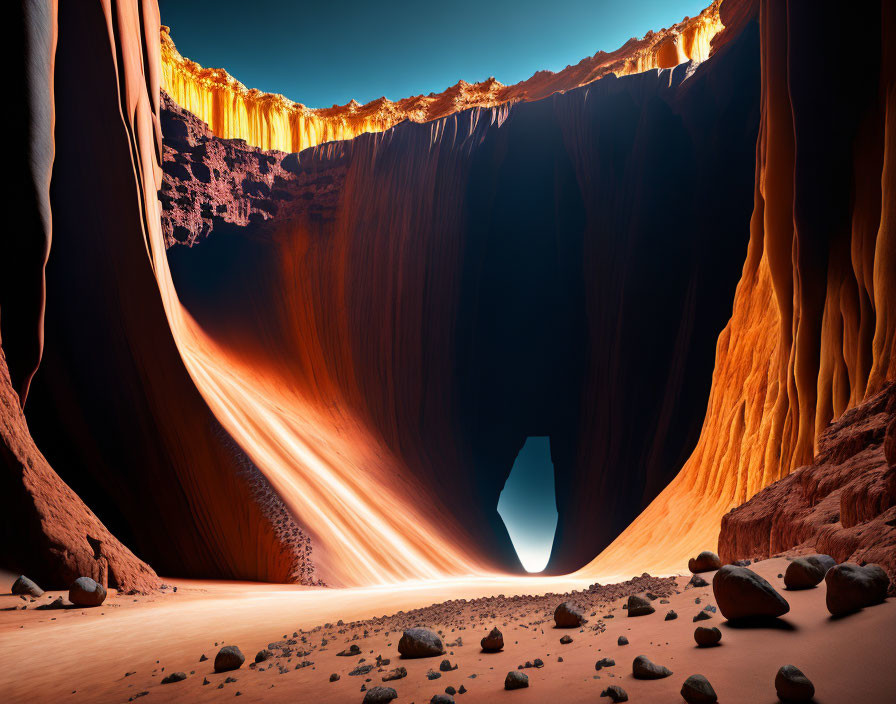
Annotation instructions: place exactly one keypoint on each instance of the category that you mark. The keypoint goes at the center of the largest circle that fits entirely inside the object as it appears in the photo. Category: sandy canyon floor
(123, 649)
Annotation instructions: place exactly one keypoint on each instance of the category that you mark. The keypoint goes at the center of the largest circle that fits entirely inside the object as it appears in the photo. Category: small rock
(446, 666)
(229, 658)
(807, 572)
(493, 642)
(450, 690)
(743, 594)
(851, 587)
(702, 616)
(638, 606)
(793, 686)
(706, 561)
(57, 603)
(263, 655)
(396, 674)
(175, 677)
(566, 640)
(643, 669)
(697, 690)
(351, 651)
(420, 643)
(568, 615)
(671, 616)
(697, 581)
(516, 680)
(442, 699)
(707, 637)
(23, 585)
(622, 640)
(334, 677)
(615, 693)
(433, 675)
(86, 592)
(202, 658)
(604, 662)
(380, 695)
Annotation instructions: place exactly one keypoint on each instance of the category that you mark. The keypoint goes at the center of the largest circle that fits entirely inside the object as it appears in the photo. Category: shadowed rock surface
(742, 594)
(851, 587)
(806, 572)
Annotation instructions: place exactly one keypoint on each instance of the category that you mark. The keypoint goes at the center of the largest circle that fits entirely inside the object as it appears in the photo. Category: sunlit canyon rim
(245, 339)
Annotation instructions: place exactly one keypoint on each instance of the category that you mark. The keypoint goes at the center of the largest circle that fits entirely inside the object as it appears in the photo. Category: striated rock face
(456, 286)
(813, 330)
(271, 121)
(113, 406)
(843, 504)
(48, 531)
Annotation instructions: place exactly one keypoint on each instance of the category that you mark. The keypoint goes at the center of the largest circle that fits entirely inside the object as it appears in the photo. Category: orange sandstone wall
(813, 329)
(271, 121)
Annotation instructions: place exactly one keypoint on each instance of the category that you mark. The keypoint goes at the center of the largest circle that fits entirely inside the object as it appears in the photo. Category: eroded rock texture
(271, 121)
(813, 328)
(499, 273)
(113, 406)
(48, 531)
(843, 504)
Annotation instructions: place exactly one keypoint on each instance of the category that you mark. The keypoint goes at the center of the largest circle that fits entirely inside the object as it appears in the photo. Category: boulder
(615, 693)
(493, 642)
(380, 695)
(793, 686)
(851, 587)
(639, 606)
(743, 594)
(706, 561)
(707, 637)
(568, 615)
(86, 592)
(229, 658)
(25, 586)
(697, 690)
(643, 669)
(420, 643)
(516, 680)
(807, 572)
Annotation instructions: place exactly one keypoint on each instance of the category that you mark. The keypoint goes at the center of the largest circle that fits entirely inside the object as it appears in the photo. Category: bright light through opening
(528, 504)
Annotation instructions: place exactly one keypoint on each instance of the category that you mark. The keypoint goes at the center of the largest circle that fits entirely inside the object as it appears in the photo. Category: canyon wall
(812, 332)
(112, 406)
(456, 286)
(271, 121)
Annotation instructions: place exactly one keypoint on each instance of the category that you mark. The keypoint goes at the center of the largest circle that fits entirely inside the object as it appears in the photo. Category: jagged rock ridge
(271, 121)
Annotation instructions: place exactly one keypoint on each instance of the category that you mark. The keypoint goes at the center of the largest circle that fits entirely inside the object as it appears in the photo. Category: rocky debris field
(757, 638)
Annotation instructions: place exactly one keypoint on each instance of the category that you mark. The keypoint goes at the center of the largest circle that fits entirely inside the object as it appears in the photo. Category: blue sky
(325, 53)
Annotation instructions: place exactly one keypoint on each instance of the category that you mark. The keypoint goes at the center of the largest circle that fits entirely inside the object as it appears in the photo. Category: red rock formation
(455, 286)
(813, 330)
(49, 534)
(112, 405)
(842, 505)
(271, 121)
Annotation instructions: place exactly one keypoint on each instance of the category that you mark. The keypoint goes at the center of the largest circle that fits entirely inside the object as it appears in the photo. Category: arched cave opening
(528, 504)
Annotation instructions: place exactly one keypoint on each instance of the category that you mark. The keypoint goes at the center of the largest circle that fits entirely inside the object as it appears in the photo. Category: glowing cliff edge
(271, 121)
